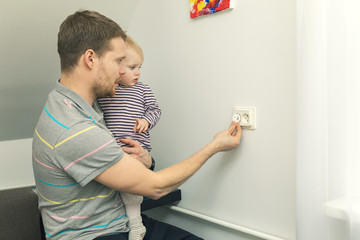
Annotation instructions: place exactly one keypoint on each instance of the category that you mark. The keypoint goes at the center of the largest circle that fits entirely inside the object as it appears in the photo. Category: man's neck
(77, 84)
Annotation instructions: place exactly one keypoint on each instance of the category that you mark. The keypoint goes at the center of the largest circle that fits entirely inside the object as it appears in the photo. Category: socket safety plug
(245, 116)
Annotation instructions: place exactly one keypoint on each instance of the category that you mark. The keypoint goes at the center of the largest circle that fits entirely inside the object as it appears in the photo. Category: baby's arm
(152, 110)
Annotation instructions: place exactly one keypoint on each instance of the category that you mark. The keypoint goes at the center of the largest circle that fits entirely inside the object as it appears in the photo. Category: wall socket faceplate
(245, 116)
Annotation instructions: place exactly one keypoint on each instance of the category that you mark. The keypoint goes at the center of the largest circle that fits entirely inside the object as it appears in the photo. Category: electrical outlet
(245, 116)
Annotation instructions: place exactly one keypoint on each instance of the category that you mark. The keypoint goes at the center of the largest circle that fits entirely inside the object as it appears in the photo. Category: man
(78, 166)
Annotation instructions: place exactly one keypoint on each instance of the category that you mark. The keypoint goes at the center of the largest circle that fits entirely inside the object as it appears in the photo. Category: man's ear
(89, 58)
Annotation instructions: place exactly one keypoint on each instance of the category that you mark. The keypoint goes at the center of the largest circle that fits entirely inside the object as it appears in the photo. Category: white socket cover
(245, 116)
(237, 117)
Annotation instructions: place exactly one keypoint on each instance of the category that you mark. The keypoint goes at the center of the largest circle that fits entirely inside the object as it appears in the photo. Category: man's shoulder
(85, 135)
(62, 118)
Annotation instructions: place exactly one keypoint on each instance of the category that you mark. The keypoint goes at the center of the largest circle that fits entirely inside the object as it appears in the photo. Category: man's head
(85, 30)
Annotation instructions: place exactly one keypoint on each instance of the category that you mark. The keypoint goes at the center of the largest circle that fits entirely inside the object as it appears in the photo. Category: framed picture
(205, 7)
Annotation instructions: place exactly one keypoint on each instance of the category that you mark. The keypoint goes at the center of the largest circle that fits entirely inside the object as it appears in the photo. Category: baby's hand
(141, 125)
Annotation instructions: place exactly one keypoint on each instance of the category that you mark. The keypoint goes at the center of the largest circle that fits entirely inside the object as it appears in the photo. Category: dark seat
(19, 215)
(20, 218)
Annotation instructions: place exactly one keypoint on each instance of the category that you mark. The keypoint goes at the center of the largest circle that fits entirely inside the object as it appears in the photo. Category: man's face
(111, 69)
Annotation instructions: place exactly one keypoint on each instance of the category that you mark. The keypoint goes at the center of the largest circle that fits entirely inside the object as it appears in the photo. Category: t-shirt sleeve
(85, 151)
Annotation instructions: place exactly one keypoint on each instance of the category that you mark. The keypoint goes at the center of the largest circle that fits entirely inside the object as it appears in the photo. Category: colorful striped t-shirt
(71, 146)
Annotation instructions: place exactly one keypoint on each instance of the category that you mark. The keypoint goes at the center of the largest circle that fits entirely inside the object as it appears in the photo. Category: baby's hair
(130, 42)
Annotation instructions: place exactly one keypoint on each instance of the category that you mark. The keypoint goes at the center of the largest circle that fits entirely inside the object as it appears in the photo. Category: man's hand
(141, 125)
(228, 139)
(137, 151)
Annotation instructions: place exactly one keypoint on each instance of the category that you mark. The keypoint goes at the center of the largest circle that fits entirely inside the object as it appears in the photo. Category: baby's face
(132, 64)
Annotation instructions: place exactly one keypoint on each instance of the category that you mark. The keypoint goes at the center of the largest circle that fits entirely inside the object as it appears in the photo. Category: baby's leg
(133, 211)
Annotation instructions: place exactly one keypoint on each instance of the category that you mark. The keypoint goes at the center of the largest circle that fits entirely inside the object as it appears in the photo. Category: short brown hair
(85, 30)
(130, 42)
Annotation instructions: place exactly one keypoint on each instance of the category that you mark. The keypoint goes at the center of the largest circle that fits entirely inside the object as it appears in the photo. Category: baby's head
(132, 63)
(133, 46)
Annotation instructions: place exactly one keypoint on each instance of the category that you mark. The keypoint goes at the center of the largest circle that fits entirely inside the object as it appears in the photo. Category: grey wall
(29, 64)
(199, 70)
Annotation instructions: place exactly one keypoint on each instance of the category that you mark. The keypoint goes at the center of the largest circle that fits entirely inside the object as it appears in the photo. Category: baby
(131, 113)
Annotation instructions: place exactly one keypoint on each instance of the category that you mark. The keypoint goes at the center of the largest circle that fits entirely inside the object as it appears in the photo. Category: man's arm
(130, 175)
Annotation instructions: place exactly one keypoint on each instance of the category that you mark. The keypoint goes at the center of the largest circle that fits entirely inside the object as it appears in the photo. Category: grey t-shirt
(71, 146)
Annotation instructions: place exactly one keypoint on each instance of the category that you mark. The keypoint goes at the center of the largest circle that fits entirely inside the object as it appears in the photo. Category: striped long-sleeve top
(129, 103)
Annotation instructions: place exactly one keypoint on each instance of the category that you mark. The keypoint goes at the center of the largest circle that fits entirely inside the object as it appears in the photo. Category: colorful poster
(204, 7)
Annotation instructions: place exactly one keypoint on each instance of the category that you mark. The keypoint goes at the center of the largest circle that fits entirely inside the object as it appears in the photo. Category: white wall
(15, 165)
(199, 70)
